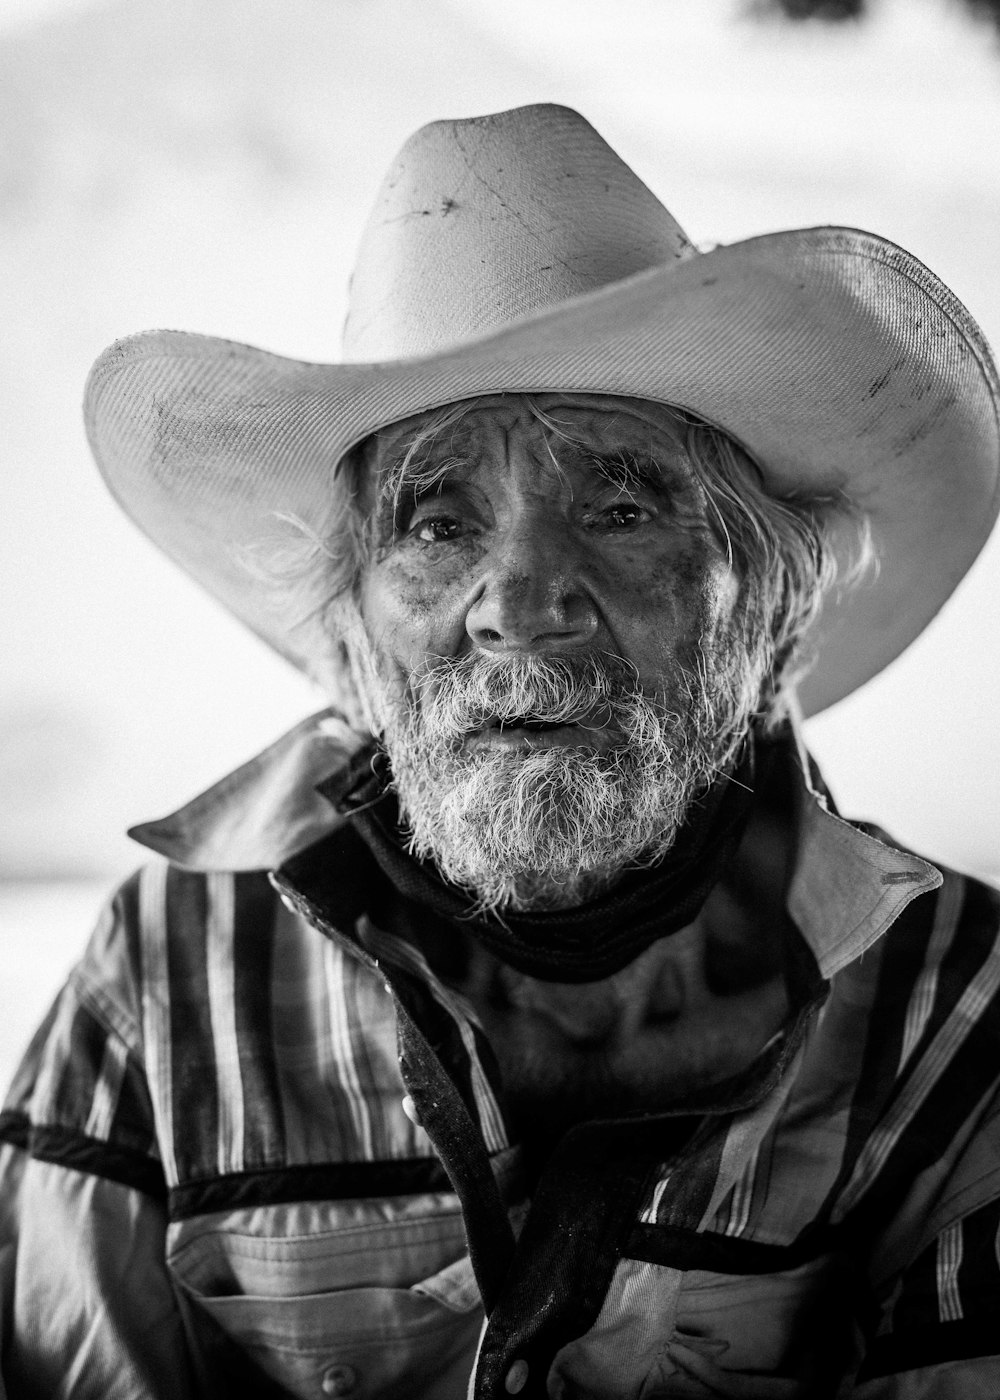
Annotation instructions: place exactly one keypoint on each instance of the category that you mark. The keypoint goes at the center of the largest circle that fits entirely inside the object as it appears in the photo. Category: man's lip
(513, 736)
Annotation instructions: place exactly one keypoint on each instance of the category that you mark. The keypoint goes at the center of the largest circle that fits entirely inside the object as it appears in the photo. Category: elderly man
(529, 1023)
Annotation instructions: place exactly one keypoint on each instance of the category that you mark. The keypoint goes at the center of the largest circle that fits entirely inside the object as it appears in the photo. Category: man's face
(549, 623)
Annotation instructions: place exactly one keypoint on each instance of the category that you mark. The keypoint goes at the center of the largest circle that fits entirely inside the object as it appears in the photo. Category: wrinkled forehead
(602, 422)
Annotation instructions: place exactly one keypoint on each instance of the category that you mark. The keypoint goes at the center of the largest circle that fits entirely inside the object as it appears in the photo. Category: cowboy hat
(517, 252)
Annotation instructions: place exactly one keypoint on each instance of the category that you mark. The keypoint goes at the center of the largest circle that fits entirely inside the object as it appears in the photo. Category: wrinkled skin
(523, 546)
(517, 554)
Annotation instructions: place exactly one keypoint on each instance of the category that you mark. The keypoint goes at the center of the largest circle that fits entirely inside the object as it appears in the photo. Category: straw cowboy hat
(517, 252)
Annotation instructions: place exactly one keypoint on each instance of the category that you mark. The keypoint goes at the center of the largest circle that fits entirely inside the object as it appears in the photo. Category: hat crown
(483, 221)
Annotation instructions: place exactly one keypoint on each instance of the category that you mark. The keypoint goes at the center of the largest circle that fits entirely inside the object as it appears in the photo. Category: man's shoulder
(166, 920)
(212, 1031)
(207, 904)
(175, 950)
(918, 1014)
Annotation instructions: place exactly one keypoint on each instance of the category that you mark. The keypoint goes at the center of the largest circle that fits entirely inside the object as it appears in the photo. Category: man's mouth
(530, 732)
(527, 722)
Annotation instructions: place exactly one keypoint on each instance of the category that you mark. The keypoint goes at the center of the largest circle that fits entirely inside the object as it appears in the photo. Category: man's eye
(624, 515)
(437, 529)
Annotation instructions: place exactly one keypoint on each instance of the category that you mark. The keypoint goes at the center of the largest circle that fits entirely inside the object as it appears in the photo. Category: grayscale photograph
(499, 745)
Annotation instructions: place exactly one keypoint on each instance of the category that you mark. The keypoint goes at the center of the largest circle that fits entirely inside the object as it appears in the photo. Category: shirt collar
(265, 811)
(848, 885)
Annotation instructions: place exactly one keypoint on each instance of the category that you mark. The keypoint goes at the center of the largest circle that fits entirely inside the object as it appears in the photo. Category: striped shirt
(259, 1148)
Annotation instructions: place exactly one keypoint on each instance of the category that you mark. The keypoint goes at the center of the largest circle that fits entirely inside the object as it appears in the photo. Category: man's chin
(539, 828)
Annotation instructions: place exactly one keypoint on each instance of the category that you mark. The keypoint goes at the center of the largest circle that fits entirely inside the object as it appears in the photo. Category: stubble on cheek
(397, 609)
(695, 593)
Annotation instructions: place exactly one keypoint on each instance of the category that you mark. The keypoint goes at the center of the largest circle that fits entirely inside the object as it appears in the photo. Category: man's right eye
(436, 529)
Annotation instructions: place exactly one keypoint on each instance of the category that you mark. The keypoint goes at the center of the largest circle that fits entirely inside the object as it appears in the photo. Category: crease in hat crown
(483, 221)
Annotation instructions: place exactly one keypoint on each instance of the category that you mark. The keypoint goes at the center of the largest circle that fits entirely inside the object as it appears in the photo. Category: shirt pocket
(665, 1332)
(796, 1326)
(331, 1312)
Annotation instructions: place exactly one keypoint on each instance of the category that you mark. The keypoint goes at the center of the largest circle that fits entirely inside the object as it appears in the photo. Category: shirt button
(517, 1378)
(410, 1109)
(339, 1380)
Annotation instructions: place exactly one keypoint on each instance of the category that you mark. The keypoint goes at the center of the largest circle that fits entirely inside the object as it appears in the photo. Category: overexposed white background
(208, 164)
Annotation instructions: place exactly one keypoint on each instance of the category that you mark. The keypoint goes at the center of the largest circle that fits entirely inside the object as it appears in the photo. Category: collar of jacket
(848, 885)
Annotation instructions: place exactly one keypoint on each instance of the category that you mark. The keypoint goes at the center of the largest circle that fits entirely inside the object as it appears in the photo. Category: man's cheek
(381, 678)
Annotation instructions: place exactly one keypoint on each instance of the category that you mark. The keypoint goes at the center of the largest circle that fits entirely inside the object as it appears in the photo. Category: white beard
(552, 827)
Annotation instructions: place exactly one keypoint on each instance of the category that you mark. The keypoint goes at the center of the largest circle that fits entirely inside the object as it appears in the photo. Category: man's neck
(691, 1011)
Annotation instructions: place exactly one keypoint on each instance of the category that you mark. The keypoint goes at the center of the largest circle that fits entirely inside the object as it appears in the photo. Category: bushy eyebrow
(626, 469)
(418, 467)
(405, 474)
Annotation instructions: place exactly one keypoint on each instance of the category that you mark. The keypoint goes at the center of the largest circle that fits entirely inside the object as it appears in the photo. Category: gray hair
(781, 548)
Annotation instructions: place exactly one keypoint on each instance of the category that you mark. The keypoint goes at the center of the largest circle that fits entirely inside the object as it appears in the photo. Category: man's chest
(660, 1030)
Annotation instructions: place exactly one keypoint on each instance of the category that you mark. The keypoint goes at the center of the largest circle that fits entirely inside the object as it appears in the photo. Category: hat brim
(836, 358)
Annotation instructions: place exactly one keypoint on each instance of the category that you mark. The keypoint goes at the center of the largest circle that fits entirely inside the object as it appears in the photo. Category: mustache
(461, 696)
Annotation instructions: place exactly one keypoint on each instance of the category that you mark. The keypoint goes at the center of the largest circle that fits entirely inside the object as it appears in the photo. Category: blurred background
(208, 165)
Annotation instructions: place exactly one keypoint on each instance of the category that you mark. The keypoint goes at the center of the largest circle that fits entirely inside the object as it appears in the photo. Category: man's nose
(532, 597)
